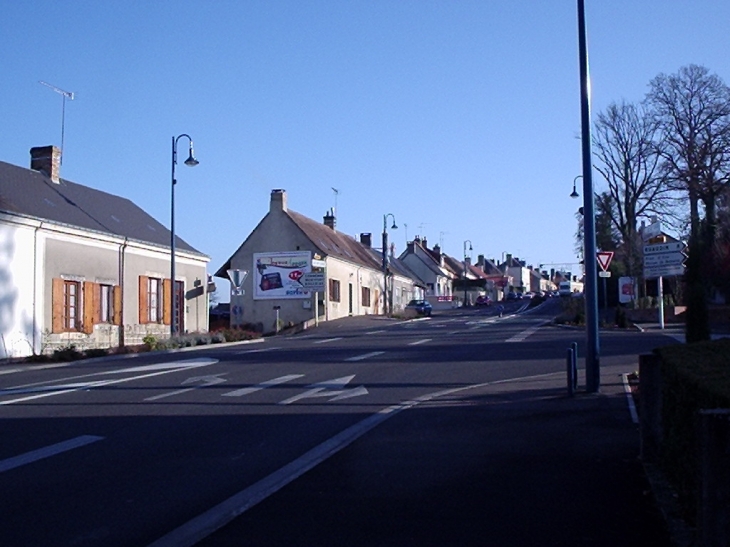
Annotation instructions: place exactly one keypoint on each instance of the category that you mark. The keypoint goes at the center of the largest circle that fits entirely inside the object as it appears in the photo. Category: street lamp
(465, 278)
(190, 162)
(574, 194)
(385, 260)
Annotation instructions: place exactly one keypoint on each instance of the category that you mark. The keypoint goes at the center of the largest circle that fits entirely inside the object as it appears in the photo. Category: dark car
(421, 307)
(483, 301)
(513, 296)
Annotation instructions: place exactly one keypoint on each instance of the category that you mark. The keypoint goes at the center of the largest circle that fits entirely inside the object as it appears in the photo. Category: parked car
(512, 296)
(421, 307)
(483, 301)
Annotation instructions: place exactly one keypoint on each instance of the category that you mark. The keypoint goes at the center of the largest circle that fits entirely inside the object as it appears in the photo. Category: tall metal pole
(385, 267)
(593, 380)
(172, 241)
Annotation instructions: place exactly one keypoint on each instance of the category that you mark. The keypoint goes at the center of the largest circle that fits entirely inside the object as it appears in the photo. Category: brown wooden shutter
(117, 305)
(167, 303)
(89, 302)
(57, 311)
(143, 312)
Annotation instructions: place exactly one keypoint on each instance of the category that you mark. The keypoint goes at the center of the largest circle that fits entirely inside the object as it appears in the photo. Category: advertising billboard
(277, 274)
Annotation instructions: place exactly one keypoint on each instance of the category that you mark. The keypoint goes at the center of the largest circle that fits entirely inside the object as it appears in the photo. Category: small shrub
(150, 341)
(67, 353)
(96, 352)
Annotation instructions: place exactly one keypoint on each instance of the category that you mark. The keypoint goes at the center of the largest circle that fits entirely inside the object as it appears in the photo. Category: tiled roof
(334, 243)
(31, 193)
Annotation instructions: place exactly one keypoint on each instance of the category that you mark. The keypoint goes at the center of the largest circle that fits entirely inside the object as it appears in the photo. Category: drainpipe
(122, 249)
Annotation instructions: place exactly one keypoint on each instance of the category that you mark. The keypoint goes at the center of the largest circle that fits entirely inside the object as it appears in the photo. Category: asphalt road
(163, 449)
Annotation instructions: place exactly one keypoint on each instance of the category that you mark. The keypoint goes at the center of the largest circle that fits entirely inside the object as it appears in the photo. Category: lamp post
(574, 194)
(471, 249)
(385, 260)
(190, 162)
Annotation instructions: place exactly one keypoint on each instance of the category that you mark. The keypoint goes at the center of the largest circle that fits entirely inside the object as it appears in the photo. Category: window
(106, 304)
(154, 300)
(366, 297)
(71, 305)
(334, 286)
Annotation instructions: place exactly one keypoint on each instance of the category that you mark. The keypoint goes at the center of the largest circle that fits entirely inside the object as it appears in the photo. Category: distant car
(421, 307)
(511, 296)
(483, 301)
(528, 295)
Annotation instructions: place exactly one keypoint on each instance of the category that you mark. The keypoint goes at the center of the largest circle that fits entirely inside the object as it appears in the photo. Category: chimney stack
(329, 219)
(278, 201)
(366, 239)
(47, 160)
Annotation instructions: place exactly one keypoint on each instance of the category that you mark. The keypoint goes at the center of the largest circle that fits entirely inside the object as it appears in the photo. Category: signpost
(316, 282)
(604, 259)
(662, 259)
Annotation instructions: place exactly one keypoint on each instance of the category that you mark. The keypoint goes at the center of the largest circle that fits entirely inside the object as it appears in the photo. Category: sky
(460, 118)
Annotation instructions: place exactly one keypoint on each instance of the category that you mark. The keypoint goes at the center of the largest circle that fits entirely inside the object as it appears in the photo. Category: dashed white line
(256, 350)
(365, 356)
(262, 385)
(327, 340)
(417, 342)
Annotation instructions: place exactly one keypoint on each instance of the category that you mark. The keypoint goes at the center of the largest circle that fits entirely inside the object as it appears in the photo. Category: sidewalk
(509, 464)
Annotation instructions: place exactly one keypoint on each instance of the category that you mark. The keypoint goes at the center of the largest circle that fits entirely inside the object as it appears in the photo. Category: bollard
(569, 366)
(574, 345)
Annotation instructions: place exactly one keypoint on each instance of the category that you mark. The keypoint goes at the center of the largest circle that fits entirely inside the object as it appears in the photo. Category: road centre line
(47, 451)
(327, 340)
(519, 337)
(375, 332)
(262, 350)
(69, 388)
(262, 385)
(365, 356)
(422, 341)
(200, 527)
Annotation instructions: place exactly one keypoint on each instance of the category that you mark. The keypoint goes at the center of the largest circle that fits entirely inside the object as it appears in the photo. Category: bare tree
(692, 109)
(625, 143)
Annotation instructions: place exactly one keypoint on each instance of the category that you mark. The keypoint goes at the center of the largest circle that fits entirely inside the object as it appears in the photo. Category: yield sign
(604, 259)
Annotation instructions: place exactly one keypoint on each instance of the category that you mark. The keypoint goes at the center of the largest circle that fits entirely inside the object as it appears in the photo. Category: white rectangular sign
(654, 229)
(316, 263)
(663, 259)
(663, 271)
(671, 247)
(313, 281)
(277, 274)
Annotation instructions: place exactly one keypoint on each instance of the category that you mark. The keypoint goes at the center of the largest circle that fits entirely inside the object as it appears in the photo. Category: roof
(31, 193)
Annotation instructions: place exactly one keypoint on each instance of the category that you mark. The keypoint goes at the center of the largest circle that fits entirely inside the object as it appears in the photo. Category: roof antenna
(337, 192)
(65, 95)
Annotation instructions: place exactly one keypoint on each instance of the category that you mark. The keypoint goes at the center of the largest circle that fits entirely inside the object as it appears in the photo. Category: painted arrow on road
(205, 381)
(330, 388)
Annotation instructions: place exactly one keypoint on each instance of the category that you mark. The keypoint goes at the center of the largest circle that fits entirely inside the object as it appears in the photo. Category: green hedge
(695, 377)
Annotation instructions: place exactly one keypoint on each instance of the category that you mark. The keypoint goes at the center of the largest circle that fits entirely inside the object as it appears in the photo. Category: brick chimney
(366, 240)
(47, 160)
(278, 201)
(329, 219)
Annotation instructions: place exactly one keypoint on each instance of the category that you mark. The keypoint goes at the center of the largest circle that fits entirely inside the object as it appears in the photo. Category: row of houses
(91, 269)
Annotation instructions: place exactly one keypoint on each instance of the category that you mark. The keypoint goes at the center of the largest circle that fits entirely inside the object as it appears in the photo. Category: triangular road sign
(604, 259)
(237, 277)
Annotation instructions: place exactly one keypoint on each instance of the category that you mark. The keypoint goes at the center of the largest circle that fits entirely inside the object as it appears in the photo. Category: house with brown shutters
(285, 247)
(83, 267)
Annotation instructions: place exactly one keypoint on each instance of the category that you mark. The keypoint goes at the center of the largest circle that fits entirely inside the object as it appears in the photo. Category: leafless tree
(625, 143)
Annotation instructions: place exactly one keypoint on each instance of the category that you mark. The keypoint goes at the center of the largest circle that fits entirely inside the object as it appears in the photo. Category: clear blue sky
(459, 117)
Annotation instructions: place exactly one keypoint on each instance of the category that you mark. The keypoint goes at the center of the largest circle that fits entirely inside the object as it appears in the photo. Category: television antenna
(66, 95)
(337, 193)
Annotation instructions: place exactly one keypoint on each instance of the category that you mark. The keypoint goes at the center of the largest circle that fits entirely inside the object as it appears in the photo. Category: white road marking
(262, 385)
(327, 340)
(205, 381)
(630, 399)
(69, 388)
(262, 350)
(365, 356)
(47, 451)
(417, 342)
(375, 332)
(330, 388)
(527, 332)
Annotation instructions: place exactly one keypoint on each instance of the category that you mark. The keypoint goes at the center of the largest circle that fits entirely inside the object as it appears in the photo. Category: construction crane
(65, 95)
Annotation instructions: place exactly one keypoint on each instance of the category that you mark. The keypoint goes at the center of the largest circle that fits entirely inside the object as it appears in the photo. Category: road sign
(653, 230)
(237, 277)
(604, 259)
(316, 263)
(663, 271)
(604, 274)
(670, 247)
(313, 281)
(664, 259)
